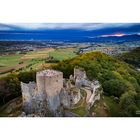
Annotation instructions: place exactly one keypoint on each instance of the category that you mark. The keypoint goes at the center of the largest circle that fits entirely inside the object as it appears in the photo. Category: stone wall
(65, 98)
(70, 97)
(32, 101)
(78, 73)
(28, 91)
(75, 96)
(94, 97)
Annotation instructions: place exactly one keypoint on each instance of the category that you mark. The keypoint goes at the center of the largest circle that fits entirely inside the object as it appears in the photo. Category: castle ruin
(51, 92)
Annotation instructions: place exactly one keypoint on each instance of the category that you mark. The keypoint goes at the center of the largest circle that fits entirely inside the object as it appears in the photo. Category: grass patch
(62, 54)
(81, 111)
(9, 60)
(105, 107)
(113, 107)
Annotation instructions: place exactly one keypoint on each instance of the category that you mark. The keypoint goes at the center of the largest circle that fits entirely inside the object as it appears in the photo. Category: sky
(65, 31)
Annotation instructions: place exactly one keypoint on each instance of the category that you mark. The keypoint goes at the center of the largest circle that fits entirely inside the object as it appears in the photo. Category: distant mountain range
(132, 37)
(66, 36)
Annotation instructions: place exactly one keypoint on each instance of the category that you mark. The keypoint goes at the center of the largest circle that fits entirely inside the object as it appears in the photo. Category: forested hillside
(118, 79)
(132, 57)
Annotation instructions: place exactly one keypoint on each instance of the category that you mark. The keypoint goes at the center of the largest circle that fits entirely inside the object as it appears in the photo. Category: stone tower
(50, 82)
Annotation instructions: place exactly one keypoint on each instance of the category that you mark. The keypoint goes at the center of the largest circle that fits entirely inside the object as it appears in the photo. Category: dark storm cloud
(65, 30)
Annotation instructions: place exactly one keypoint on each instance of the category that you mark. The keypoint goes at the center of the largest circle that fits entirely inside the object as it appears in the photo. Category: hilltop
(120, 82)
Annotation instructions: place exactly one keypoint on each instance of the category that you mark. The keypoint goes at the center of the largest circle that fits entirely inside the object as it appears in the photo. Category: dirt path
(88, 94)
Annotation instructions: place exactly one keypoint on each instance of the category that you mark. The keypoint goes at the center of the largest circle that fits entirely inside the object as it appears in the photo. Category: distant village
(111, 48)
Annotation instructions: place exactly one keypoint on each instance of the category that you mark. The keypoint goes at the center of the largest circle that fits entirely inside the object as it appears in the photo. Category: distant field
(61, 54)
(42, 53)
(9, 63)
(9, 60)
(32, 60)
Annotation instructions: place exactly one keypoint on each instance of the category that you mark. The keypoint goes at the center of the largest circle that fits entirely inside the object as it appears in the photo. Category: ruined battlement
(79, 73)
(49, 73)
(28, 91)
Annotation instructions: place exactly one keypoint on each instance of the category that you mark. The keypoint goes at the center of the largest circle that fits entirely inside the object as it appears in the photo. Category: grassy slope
(106, 107)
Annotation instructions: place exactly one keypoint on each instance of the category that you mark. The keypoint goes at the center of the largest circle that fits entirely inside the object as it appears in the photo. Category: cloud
(5, 27)
(116, 34)
(46, 26)
(42, 26)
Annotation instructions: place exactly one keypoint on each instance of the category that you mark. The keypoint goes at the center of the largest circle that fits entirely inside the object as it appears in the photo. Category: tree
(9, 88)
(128, 98)
(27, 76)
(130, 111)
(114, 87)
